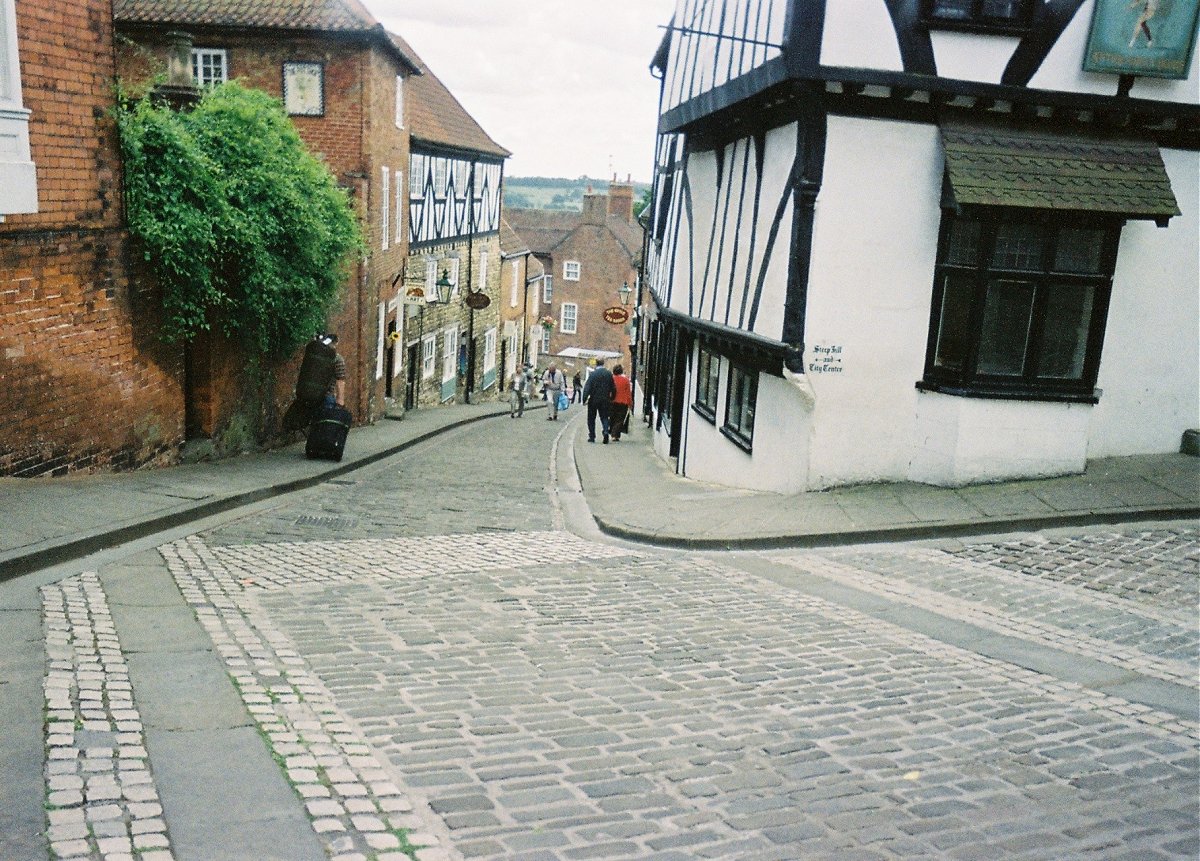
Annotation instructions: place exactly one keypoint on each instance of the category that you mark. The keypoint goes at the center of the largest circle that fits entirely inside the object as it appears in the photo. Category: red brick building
(84, 381)
(588, 257)
(342, 81)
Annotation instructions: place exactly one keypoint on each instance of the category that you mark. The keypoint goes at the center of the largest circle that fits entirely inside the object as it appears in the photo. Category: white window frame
(573, 328)
(428, 356)
(441, 176)
(515, 266)
(452, 275)
(399, 101)
(430, 279)
(547, 289)
(571, 269)
(198, 57)
(545, 339)
(489, 350)
(380, 353)
(398, 180)
(385, 195)
(18, 174)
(416, 175)
(450, 354)
(483, 270)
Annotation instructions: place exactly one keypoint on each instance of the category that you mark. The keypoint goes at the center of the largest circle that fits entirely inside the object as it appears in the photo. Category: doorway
(410, 379)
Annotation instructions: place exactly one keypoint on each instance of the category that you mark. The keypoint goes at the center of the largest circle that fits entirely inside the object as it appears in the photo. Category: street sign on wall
(1143, 37)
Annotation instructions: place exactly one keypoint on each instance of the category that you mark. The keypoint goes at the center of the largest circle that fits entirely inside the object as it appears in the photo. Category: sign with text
(616, 315)
(1144, 37)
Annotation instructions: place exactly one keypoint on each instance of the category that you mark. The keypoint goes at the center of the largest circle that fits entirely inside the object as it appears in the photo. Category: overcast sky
(564, 84)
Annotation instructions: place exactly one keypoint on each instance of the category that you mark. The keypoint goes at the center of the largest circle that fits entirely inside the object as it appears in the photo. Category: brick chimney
(620, 198)
(595, 208)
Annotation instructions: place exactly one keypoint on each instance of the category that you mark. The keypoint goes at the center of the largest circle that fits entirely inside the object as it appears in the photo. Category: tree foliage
(241, 226)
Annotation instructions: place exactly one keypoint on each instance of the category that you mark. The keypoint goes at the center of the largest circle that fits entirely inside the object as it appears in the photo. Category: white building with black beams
(944, 241)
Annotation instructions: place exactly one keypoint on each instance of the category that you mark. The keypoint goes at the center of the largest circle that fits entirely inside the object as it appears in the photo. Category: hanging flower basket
(546, 323)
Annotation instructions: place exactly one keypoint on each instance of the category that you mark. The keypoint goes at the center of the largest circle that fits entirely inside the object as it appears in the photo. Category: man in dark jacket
(598, 393)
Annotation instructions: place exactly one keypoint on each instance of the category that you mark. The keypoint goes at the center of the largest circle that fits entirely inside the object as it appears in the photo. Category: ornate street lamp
(625, 292)
(444, 288)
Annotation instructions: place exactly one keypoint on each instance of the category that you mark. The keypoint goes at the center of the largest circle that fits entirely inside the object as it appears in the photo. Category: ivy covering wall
(241, 226)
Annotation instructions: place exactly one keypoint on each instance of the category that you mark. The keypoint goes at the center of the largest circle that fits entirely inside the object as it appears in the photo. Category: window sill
(985, 392)
(708, 415)
(979, 27)
(737, 439)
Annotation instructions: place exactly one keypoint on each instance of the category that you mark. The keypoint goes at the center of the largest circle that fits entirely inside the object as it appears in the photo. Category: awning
(999, 166)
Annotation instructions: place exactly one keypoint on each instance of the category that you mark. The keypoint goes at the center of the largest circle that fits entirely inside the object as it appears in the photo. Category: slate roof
(436, 116)
(324, 16)
(545, 229)
(1002, 166)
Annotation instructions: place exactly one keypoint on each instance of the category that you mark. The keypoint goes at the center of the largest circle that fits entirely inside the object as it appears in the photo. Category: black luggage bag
(327, 434)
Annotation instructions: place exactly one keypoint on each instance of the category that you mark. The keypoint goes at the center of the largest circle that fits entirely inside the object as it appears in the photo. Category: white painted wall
(782, 432)
(859, 34)
(971, 56)
(1150, 367)
(870, 287)
(960, 441)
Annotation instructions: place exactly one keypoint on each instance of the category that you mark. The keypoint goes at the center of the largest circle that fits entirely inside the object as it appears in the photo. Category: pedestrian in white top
(518, 392)
(554, 382)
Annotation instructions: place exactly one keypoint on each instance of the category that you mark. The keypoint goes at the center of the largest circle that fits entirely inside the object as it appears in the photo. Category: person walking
(622, 403)
(598, 393)
(576, 388)
(518, 392)
(553, 383)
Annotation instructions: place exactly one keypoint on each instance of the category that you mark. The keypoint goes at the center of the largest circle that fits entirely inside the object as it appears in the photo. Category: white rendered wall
(870, 285)
(1150, 367)
(779, 462)
(962, 441)
(972, 56)
(859, 34)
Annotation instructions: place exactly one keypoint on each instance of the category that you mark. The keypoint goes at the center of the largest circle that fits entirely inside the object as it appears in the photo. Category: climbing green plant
(241, 226)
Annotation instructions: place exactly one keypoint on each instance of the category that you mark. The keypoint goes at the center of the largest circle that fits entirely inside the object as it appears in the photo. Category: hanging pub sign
(415, 295)
(616, 315)
(477, 299)
(1153, 38)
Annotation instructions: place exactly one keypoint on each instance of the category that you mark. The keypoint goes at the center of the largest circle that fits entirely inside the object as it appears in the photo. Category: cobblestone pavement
(444, 672)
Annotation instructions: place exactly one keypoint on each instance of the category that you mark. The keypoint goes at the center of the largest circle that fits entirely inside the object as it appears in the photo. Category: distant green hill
(552, 192)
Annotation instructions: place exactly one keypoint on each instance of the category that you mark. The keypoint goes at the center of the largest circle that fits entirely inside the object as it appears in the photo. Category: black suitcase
(327, 434)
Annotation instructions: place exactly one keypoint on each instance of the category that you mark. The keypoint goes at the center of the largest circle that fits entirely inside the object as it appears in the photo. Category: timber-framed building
(943, 241)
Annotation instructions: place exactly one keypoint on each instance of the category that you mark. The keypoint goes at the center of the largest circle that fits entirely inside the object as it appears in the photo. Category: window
(385, 198)
(483, 270)
(489, 350)
(708, 381)
(449, 354)
(545, 339)
(209, 66)
(570, 315)
(441, 176)
(1019, 306)
(571, 270)
(428, 356)
(431, 277)
(995, 15)
(547, 289)
(304, 89)
(416, 176)
(399, 101)
(452, 275)
(18, 174)
(739, 407)
(515, 267)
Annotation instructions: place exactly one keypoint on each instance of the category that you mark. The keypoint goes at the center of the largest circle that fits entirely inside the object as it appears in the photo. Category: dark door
(410, 384)
(390, 360)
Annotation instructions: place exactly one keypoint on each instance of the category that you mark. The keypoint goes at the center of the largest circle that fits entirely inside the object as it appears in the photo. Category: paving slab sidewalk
(634, 494)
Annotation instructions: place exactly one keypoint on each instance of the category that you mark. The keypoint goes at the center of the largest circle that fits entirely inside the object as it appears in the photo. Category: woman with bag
(553, 383)
(622, 403)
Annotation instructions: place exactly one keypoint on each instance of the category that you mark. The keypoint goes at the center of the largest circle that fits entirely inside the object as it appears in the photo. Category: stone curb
(942, 529)
(25, 563)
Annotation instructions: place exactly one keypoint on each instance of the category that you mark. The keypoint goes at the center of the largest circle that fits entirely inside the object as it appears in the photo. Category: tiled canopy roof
(1008, 167)
(327, 15)
(436, 116)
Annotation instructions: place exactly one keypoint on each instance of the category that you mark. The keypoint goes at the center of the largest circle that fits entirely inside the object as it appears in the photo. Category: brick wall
(84, 382)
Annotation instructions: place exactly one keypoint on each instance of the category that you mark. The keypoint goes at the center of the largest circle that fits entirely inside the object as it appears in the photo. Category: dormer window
(996, 16)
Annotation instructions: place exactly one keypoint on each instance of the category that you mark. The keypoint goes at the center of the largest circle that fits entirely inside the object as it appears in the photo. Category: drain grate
(317, 520)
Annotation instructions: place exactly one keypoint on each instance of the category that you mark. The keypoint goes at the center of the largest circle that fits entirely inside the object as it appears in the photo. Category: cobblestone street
(443, 671)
